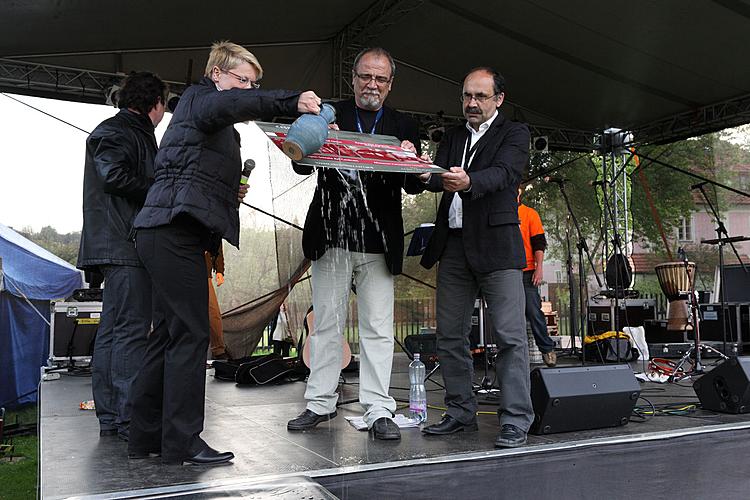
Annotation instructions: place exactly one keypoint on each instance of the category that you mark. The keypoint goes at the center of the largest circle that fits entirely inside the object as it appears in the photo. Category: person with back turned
(119, 170)
(191, 206)
(479, 246)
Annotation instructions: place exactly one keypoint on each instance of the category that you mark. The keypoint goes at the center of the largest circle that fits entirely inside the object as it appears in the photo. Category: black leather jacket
(198, 168)
(119, 169)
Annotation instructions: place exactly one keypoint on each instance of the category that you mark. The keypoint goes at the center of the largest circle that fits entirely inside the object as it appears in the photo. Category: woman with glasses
(189, 209)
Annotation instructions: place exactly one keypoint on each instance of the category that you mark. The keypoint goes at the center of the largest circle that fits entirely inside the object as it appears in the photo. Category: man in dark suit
(478, 243)
(354, 232)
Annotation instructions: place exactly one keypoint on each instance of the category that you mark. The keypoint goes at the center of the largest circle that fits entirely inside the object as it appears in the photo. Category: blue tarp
(30, 277)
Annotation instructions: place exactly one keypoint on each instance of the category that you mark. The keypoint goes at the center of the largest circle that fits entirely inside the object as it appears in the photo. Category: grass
(18, 478)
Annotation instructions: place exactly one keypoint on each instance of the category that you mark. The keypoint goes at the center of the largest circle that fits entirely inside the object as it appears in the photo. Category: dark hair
(378, 51)
(498, 82)
(142, 91)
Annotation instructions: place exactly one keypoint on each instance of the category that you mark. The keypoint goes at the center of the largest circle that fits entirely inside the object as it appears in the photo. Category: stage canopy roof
(664, 69)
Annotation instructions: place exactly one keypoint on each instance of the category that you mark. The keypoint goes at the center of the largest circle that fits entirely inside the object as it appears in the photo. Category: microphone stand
(582, 248)
(694, 320)
(573, 318)
(722, 238)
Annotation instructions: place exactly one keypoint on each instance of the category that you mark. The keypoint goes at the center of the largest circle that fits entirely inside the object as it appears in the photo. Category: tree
(64, 246)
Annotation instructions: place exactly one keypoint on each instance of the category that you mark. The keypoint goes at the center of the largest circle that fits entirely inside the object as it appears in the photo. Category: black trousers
(120, 343)
(169, 392)
(457, 287)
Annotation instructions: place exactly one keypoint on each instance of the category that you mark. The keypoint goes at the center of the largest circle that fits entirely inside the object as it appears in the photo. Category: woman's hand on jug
(309, 102)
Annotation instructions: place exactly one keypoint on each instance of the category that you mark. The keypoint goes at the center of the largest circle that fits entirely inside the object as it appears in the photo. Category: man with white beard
(354, 235)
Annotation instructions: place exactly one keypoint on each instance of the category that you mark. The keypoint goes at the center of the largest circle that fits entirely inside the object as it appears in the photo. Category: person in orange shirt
(535, 244)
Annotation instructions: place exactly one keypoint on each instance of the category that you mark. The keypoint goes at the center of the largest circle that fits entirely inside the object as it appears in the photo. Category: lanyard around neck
(375, 124)
(469, 151)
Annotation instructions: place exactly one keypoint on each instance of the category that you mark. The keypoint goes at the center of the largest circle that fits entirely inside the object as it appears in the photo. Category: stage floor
(251, 422)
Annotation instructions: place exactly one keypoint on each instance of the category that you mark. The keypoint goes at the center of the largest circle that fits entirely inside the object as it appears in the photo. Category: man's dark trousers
(169, 395)
(120, 343)
(535, 316)
(457, 289)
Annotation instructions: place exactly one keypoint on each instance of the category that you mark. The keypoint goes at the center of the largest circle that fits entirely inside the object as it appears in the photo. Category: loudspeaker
(726, 388)
(582, 397)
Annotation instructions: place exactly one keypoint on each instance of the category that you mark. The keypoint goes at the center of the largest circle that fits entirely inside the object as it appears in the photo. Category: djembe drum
(676, 282)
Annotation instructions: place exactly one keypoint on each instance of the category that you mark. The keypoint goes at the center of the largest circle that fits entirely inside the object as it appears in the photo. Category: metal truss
(368, 26)
(559, 139)
(710, 118)
(48, 80)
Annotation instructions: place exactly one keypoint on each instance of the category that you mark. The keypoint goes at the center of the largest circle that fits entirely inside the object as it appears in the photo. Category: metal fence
(412, 315)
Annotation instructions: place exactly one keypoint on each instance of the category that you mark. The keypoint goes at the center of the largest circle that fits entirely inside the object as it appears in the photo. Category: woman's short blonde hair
(227, 55)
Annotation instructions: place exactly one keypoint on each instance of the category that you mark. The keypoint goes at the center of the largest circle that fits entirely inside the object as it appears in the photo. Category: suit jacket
(491, 236)
(326, 224)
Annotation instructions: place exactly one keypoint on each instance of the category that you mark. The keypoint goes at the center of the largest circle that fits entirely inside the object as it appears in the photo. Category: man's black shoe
(207, 456)
(107, 432)
(449, 425)
(307, 420)
(386, 429)
(510, 437)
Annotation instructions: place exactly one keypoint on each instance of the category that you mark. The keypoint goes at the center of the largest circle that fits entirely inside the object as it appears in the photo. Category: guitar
(346, 357)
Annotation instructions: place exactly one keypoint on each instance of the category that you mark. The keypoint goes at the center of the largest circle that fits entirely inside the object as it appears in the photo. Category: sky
(41, 160)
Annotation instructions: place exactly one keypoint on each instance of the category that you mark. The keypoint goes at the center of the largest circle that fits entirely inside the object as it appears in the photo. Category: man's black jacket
(329, 223)
(491, 236)
(118, 171)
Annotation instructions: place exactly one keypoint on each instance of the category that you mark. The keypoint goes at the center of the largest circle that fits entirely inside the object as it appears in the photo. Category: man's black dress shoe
(307, 420)
(107, 432)
(386, 429)
(510, 436)
(449, 425)
(207, 456)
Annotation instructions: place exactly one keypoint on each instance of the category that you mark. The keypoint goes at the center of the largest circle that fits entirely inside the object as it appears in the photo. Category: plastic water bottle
(417, 392)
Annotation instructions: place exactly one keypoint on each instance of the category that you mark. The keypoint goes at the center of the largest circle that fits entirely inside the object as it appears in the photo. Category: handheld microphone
(556, 180)
(246, 169)
(699, 185)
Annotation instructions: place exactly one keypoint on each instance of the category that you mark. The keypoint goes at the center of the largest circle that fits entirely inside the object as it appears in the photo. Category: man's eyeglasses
(242, 79)
(367, 78)
(466, 97)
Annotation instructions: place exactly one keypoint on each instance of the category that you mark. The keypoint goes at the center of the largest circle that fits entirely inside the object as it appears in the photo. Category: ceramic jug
(308, 133)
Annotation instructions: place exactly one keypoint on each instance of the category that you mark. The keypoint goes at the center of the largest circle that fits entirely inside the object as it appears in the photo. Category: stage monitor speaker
(726, 388)
(582, 397)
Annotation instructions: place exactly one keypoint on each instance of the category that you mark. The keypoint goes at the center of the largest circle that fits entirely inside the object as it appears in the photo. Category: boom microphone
(699, 185)
(248, 167)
